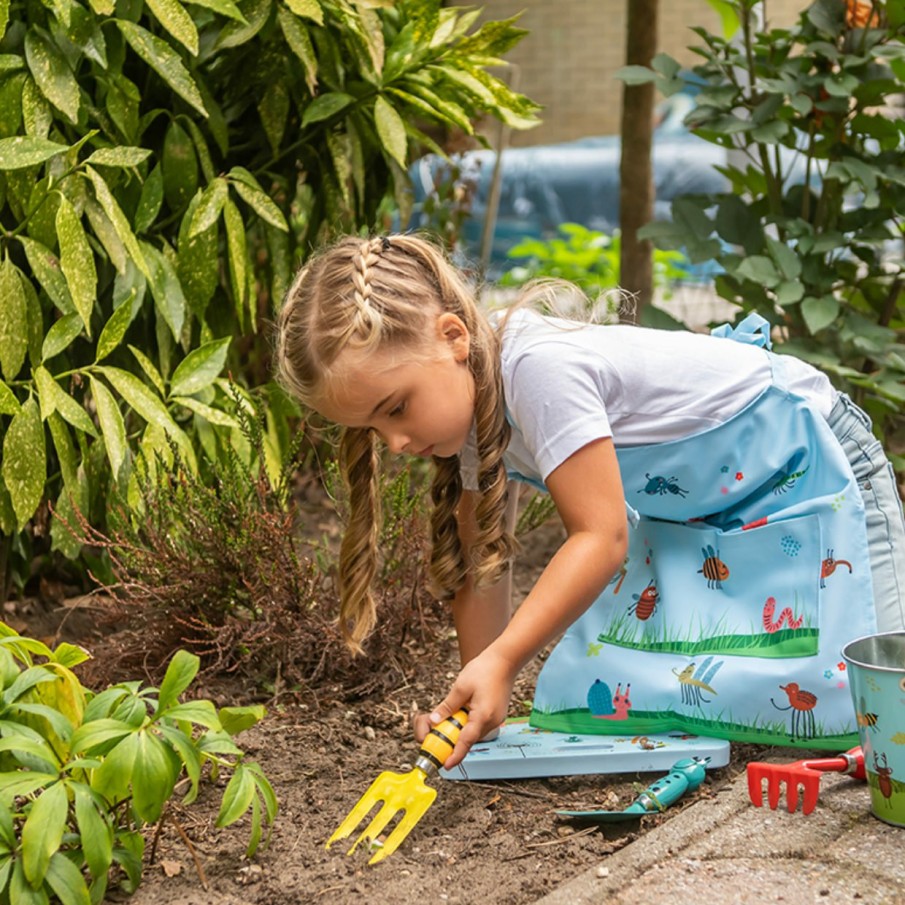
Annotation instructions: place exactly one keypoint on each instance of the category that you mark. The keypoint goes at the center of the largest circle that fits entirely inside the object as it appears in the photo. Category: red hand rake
(804, 773)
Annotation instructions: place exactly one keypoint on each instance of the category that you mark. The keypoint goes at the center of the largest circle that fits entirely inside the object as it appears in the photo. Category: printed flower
(840, 667)
(739, 476)
(828, 674)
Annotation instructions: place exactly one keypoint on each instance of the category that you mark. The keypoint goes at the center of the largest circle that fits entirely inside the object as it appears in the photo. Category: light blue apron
(747, 573)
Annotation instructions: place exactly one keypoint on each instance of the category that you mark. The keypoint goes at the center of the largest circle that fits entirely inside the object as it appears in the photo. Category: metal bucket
(876, 666)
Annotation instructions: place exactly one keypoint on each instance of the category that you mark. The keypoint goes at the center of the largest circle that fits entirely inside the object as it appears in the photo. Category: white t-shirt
(567, 384)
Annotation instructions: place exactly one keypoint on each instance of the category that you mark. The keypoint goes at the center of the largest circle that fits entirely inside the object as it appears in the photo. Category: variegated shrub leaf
(13, 321)
(24, 462)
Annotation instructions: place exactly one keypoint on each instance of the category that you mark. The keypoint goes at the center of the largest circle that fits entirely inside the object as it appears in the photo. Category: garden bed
(322, 747)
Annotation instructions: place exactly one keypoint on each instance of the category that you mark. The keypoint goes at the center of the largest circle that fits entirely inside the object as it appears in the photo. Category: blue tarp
(578, 182)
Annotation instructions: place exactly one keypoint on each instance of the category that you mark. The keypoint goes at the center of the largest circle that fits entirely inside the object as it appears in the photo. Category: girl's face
(421, 404)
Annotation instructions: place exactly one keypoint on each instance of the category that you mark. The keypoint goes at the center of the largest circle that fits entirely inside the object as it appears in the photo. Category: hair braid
(358, 459)
(494, 546)
(368, 319)
(447, 560)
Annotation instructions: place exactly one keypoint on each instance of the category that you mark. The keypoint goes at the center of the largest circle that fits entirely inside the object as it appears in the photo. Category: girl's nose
(397, 443)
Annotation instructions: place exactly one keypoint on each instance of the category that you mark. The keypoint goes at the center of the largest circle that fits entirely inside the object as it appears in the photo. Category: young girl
(730, 520)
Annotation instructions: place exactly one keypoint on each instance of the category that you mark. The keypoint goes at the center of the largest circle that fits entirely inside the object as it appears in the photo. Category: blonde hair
(377, 294)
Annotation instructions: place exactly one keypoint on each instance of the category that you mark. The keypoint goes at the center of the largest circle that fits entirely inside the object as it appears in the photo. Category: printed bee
(864, 718)
(714, 569)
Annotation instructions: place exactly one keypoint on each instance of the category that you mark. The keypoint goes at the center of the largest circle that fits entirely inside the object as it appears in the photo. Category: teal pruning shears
(685, 776)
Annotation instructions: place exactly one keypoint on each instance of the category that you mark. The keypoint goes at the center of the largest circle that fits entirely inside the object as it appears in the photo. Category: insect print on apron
(746, 573)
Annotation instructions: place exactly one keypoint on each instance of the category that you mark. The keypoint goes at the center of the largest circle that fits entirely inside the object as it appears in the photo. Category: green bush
(587, 258)
(809, 231)
(81, 774)
(163, 168)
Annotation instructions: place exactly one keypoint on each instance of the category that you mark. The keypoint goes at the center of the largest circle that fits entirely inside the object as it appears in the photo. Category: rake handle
(849, 762)
(438, 744)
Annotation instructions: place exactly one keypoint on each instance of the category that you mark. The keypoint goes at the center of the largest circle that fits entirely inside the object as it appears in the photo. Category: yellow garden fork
(402, 792)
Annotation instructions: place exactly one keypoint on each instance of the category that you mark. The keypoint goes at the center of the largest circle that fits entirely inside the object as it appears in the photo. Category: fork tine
(377, 824)
(412, 815)
(367, 801)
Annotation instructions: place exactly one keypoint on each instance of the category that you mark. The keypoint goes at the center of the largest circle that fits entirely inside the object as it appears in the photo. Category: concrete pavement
(728, 852)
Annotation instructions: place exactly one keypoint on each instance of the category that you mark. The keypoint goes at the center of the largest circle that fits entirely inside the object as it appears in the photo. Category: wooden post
(636, 194)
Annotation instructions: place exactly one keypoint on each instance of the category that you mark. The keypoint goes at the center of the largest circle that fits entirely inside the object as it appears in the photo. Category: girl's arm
(587, 490)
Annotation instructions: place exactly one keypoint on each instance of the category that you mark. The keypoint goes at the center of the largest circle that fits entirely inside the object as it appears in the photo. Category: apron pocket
(693, 589)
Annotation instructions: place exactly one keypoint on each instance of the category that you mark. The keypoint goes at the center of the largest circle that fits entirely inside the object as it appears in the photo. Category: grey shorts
(882, 507)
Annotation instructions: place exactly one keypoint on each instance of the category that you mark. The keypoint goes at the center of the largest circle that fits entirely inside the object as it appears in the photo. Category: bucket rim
(853, 660)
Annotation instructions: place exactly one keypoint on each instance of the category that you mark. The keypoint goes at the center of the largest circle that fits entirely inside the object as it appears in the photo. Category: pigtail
(359, 461)
(494, 546)
(447, 559)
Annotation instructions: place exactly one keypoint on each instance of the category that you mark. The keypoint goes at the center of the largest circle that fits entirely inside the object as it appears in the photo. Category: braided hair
(374, 294)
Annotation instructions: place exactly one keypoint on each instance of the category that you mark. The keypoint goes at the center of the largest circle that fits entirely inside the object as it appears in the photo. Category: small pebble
(603, 872)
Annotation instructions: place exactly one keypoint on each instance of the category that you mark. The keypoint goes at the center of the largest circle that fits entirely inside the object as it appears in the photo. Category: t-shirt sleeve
(555, 396)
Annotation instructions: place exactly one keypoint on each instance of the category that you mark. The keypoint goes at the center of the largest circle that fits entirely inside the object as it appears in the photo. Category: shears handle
(686, 775)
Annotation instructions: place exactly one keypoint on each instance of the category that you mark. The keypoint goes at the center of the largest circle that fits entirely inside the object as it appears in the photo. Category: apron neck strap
(754, 330)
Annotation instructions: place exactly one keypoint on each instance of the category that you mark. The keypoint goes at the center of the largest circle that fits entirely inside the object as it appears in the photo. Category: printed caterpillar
(786, 616)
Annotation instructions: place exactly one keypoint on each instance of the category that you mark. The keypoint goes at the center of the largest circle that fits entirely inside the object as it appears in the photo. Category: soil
(480, 841)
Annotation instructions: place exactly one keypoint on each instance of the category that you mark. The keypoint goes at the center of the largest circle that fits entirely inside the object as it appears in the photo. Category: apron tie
(754, 330)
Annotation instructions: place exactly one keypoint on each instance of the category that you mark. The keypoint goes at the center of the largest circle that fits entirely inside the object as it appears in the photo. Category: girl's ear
(452, 331)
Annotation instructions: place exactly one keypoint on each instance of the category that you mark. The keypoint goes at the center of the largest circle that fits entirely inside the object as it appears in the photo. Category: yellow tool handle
(440, 741)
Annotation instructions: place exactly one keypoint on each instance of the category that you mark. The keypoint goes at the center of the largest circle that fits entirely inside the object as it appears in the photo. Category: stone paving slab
(727, 851)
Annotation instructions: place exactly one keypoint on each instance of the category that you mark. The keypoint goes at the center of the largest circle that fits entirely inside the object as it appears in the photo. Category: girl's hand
(422, 725)
(484, 686)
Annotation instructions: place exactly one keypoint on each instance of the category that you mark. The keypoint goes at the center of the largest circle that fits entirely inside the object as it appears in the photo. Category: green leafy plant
(82, 774)
(586, 258)
(163, 169)
(809, 230)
